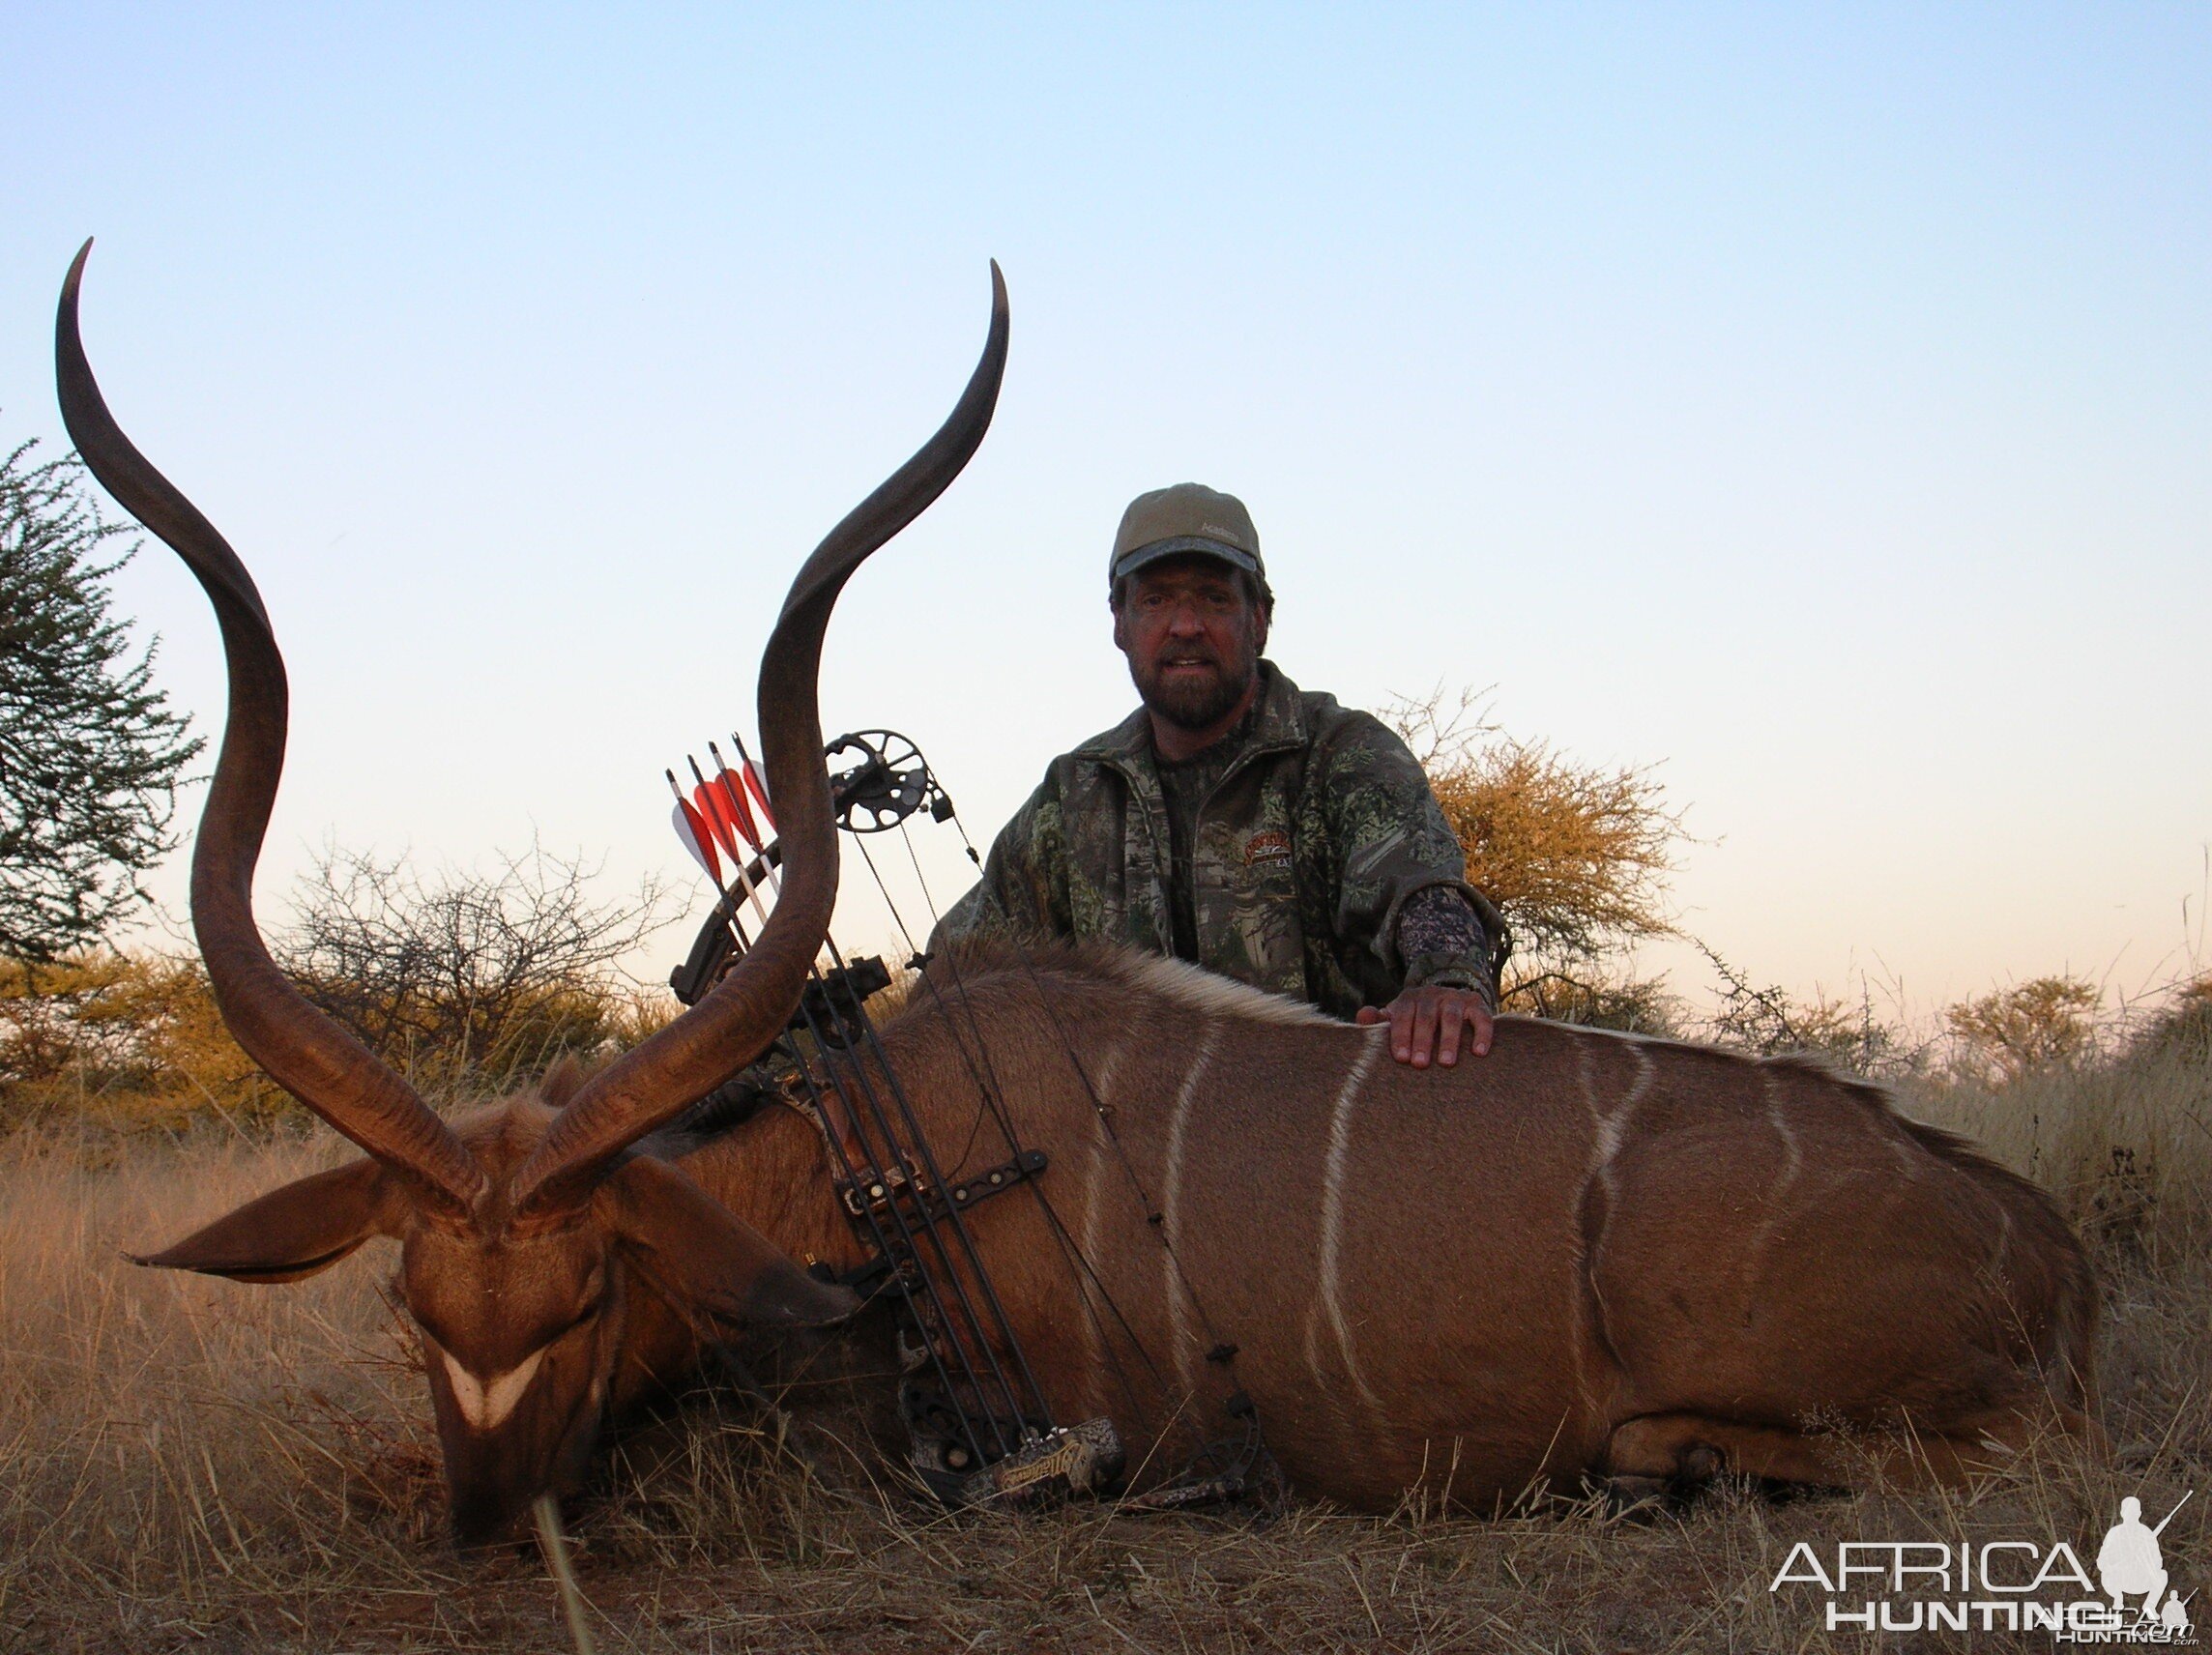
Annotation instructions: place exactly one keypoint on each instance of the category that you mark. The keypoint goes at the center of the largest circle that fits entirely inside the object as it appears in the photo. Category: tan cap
(1187, 518)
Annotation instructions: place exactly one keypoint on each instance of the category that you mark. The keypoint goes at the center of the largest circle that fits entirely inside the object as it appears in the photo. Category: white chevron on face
(485, 1403)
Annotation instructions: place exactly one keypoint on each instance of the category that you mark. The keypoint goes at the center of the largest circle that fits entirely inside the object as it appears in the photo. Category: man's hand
(1428, 1021)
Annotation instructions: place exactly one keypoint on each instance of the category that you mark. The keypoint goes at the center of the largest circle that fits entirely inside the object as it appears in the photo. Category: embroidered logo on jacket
(1272, 846)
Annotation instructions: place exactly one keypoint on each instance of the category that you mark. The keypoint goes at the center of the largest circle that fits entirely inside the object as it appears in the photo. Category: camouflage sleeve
(1389, 841)
(1024, 887)
(1443, 940)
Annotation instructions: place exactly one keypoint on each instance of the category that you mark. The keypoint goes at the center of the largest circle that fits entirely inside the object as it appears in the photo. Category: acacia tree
(2044, 1023)
(1577, 855)
(91, 753)
(1772, 1021)
(462, 974)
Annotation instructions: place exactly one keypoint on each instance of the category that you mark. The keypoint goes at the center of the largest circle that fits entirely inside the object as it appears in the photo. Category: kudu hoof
(1699, 1462)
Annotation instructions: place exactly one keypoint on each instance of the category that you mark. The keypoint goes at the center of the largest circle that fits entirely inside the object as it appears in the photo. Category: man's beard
(1198, 702)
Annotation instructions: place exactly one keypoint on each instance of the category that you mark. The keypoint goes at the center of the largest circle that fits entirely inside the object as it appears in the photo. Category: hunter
(1256, 829)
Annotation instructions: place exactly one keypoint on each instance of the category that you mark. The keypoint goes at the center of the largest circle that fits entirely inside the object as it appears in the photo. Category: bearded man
(1235, 821)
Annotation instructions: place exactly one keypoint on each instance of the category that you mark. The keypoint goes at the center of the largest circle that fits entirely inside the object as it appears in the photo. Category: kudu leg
(1679, 1449)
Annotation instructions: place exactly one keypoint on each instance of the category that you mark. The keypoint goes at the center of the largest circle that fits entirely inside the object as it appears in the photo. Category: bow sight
(888, 784)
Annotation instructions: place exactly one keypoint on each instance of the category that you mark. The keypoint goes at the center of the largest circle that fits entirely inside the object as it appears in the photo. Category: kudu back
(1586, 1256)
(553, 1272)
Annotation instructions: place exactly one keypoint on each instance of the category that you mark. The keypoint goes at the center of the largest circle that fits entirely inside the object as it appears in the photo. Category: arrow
(730, 800)
(758, 790)
(714, 813)
(754, 780)
(693, 833)
(741, 816)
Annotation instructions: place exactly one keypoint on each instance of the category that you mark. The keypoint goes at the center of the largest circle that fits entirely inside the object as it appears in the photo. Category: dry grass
(190, 1464)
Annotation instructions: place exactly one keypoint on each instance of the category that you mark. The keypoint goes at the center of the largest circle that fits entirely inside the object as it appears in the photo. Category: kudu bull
(1588, 1255)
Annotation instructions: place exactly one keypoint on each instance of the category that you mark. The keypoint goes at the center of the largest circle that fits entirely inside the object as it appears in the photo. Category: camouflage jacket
(1320, 829)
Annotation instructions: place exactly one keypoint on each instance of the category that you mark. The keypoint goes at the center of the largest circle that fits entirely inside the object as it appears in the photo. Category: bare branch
(468, 972)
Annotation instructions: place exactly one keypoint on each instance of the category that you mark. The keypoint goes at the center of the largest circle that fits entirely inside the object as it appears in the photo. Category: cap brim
(1183, 546)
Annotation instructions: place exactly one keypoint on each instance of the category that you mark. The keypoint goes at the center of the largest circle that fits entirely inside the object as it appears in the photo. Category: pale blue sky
(1815, 400)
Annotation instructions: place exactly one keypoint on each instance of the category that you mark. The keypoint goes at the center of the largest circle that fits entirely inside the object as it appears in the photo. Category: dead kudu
(1584, 1256)
(553, 1273)
(1587, 1256)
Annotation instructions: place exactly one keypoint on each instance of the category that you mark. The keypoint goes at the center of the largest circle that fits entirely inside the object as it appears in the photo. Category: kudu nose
(491, 1502)
(488, 1527)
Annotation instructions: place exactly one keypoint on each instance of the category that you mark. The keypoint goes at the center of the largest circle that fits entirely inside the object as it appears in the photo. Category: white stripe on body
(1994, 1270)
(1901, 1145)
(1611, 1130)
(1775, 1199)
(1328, 1295)
(1093, 1221)
(1170, 1206)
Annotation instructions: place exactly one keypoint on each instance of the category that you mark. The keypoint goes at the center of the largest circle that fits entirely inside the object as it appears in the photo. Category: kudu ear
(292, 1233)
(706, 1261)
